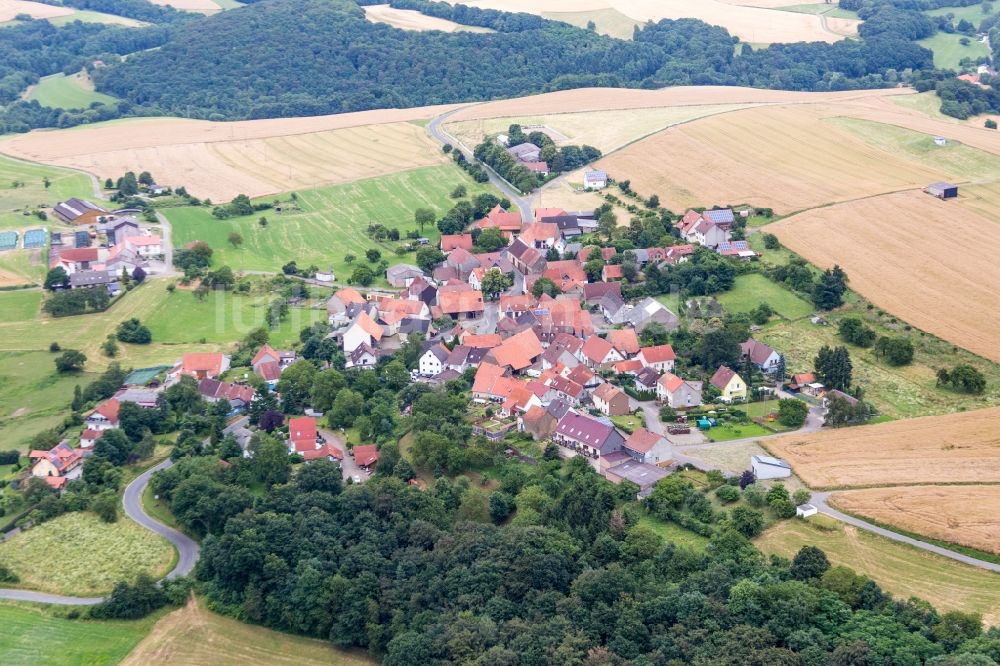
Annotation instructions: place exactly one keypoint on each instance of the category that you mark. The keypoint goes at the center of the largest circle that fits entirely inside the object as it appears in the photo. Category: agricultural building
(942, 190)
(766, 467)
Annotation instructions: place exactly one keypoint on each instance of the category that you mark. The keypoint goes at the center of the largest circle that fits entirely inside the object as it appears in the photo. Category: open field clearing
(258, 157)
(607, 21)
(11, 8)
(752, 24)
(624, 99)
(966, 515)
(942, 290)
(20, 267)
(897, 392)
(787, 158)
(952, 448)
(949, 50)
(203, 6)
(753, 289)
(607, 130)
(408, 19)
(92, 555)
(33, 396)
(67, 92)
(900, 569)
(30, 192)
(88, 16)
(179, 323)
(38, 635)
(196, 636)
(331, 223)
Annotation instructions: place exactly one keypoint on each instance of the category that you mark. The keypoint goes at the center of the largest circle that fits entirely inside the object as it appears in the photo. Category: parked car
(357, 478)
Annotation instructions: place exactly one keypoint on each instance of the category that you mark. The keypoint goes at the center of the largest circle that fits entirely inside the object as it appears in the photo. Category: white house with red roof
(648, 447)
(597, 351)
(678, 393)
(104, 416)
(59, 461)
(302, 435)
(199, 365)
(661, 357)
(268, 363)
(363, 330)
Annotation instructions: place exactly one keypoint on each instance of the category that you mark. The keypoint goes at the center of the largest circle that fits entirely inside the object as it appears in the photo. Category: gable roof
(596, 349)
(642, 440)
(451, 242)
(608, 392)
(624, 340)
(585, 429)
(109, 410)
(486, 376)
(658, 354)
(78, 254)
(365, 454)
(439, 351)
(369, 326)
(347, 295)
(266, 352)
(457, 302)
(302, 433)
(518, 351)
(498, 217)
(722, 377)
(758, 352)
(595, 291)
(207, 362)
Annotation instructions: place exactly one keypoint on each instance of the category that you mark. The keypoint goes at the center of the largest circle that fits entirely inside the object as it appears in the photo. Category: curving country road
(443, 137)
(187, 548)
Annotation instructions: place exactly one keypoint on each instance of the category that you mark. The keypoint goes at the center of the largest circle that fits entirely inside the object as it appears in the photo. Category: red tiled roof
(451, 242)
(265, 352)
(347, 295)
(74, 254)
(581, 374)
(325, 451)
(498, 217)
(369, 326)
(624, 340)
(109, 410)
(658, 354)
(628, 367)
(208, 362)
(542, 213)
(642, 440)
(486, 376)
(596, 349)
(365, 454)
(518, 351)
(460, 302)
(302, 433)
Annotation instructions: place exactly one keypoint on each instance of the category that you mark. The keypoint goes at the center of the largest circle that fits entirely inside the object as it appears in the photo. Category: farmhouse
(649, 311)
(363, 330)
(200, 365)
(731, 386)
(625, 341)
(767, 467)
(79, 212)
(708, 228)
(597, 351)
(238, 395)
(461, 304)
(77, 259)
(509, 222)
(611, 401)
(646, 446)
(401, 275)
(587, 436)
(268, 363)
(104, 416)
(525, 152)
(451, 242)
(59, 461)
(432, 361)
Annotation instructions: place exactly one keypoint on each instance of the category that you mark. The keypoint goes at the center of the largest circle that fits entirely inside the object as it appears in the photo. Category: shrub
(895, 351)
(70, 361)
(8, 576)
(54, 347)
(131, 602)
(747, 521)
(792, 413)
(10, 457)
(771, 242)
(990, 124)
(727, 493)
(856, 332)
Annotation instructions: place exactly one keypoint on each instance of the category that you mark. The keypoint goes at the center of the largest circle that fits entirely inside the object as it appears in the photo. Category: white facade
(766, 467)
(430, 365)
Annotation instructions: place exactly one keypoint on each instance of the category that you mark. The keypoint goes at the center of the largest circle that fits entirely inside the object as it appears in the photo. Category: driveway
(347, 465)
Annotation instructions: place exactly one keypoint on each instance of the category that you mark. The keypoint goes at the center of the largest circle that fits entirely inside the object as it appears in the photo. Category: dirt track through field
(953, 448)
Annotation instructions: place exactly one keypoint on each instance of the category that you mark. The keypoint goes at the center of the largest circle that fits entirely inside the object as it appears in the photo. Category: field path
(819, 500)
(187, 548)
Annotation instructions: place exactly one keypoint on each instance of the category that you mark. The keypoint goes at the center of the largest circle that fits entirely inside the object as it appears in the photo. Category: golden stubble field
(760, 24)
(11, 8)
(924, 260)
(409, 19)
(255, 157)
(966, 515)
(953, 448)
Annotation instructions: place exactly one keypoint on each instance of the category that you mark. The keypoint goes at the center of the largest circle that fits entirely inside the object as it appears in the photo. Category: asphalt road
(440, 135)
(187, 548)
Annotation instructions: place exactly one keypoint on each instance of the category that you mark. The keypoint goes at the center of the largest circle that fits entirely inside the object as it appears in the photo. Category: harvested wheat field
(259, 157)
(607, 130)
(893, 250)
(751, 24)
(203, 6)
(11, 8)
(787, 158)
(952, 448)
(966, 515)
(195, 636)
(408, 19)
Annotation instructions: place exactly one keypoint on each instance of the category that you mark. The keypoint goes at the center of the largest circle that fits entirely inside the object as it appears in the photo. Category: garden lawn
(629, 422)
(67, 92)
(63, 184)
(901, 569)
(672, 532)
(331, 223)
(949, 51)
(80, 555)
(730, 431)
(750, 290)
(34, 635)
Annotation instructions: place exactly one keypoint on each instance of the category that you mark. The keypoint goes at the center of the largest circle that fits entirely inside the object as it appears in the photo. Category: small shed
(940, 141)
(806, 510)
(767, 467)
(942, 190)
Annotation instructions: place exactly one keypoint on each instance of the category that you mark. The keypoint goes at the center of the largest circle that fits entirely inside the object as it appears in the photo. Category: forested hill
(307, 57)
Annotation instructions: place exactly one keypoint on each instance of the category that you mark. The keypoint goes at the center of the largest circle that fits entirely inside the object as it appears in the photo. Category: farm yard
(900, 569)
(255, 157)
(67, 92)
(40, 635)
(78, 554)
(196, 635)
(951, 448)
(941, 289)
(965, 515)
(756, 24)
(331, 223)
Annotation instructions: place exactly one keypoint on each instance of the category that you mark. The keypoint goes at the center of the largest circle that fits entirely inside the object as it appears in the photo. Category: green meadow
(949, 50)
(753, 289)
(331, 223)
(67, 92)
(22, 188)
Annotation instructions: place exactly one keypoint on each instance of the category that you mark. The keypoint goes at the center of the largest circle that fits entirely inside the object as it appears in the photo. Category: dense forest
(425, 577)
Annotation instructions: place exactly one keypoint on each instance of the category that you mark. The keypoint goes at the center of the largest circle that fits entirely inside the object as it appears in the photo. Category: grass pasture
(20, 305)
(966, 515)
(903, 570)
(40, 635)
(674, 533)
(31, 192)
(951, 448)
(942, 290)
(67, 92)
(949, 50)
(331, 224)
(78, 554)
(753, 289)
(195, 635)
(607, 21)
